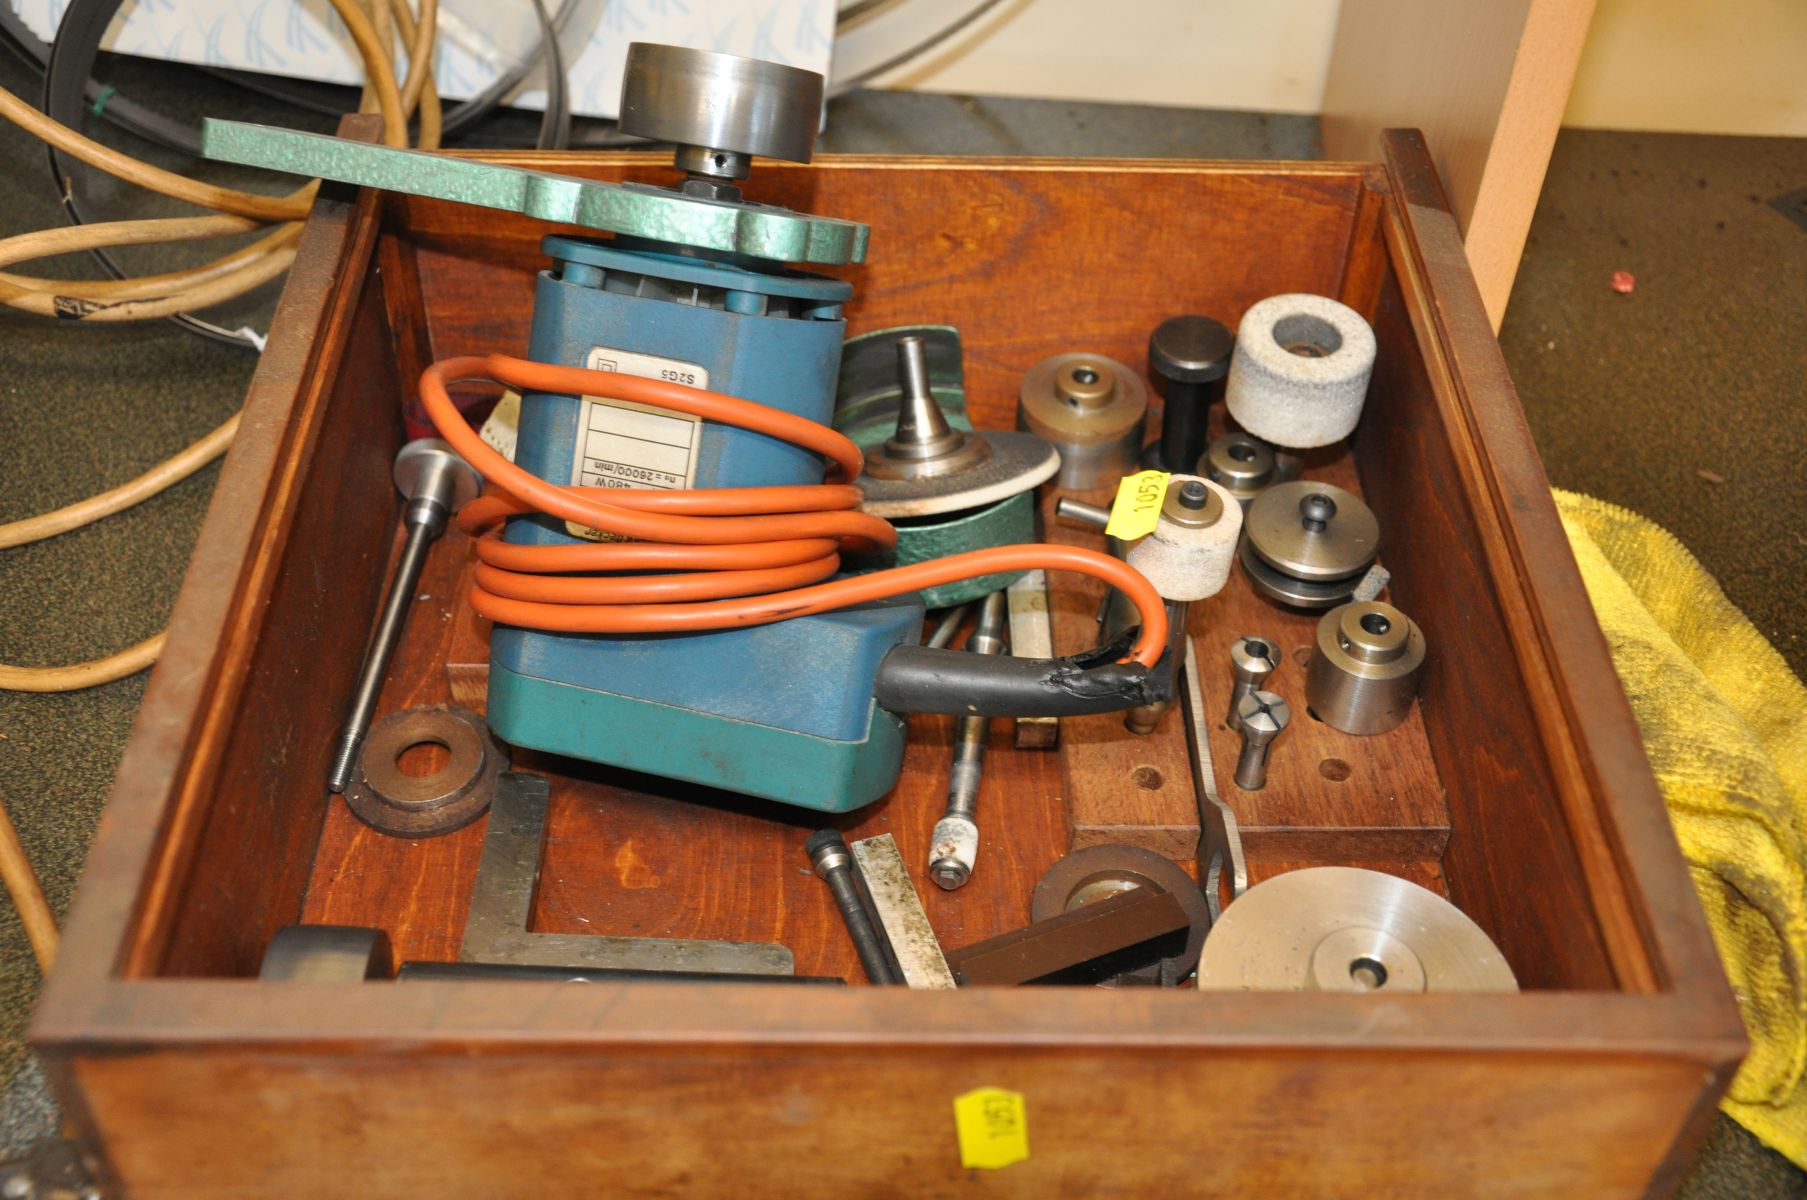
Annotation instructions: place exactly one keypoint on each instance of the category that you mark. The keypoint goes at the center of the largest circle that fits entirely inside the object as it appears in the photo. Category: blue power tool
(785, 710)
(694, 289)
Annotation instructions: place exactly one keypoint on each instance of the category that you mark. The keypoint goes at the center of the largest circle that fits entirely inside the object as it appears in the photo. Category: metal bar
(1090, 944)
(1220, 841)
(376, 660)
(900, 913)
(832, 861)
(504, 972)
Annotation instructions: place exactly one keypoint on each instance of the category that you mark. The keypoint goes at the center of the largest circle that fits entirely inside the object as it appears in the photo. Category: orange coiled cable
(745, 556)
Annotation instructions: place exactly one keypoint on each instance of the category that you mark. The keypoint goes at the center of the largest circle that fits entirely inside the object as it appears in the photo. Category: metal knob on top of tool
(1310, 544)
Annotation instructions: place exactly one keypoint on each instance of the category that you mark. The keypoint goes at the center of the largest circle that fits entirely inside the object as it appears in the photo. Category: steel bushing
(1241, 464)
(1364, 668)
(384, 795)
(1092, 408)
(1308, 543)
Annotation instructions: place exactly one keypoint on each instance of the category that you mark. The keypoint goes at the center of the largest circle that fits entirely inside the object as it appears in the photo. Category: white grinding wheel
(1186, 562)
(1300, 372)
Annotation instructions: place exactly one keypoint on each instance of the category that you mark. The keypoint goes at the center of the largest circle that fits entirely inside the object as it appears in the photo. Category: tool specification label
(628, 445)
(622, 444)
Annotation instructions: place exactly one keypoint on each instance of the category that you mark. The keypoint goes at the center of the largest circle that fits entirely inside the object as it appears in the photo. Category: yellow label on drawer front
(993, 1125)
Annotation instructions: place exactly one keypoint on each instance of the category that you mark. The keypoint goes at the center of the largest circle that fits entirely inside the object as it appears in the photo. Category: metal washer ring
(390, 799)
(1110, 869)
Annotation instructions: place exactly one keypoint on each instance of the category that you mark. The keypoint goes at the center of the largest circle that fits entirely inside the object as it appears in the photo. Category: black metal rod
(832, 860)
(382, 649)
(1183, 424)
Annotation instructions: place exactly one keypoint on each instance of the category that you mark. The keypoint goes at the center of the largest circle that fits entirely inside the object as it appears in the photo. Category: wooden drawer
(1521, 791)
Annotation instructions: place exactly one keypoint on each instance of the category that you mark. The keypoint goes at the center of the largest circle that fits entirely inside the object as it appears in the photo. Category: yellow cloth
(1725, 724)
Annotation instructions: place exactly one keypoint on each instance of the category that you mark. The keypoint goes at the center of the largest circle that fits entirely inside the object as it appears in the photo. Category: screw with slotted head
(1263, 717)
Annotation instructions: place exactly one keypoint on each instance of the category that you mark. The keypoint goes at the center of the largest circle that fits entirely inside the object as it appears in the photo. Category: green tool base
(1008, 522)
(681, 743)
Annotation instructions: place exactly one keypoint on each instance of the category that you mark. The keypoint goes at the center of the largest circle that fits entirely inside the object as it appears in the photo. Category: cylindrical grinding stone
(1301, 370)
(1185, 559)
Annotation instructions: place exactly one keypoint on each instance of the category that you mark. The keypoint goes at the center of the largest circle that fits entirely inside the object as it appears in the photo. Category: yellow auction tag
(1137, 508)
(993, 1127)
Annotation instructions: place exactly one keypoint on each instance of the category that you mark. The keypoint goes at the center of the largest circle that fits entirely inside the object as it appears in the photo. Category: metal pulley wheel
(721, 108)
(927, 467)
(1092, 409)
(869, 392)
(1344, 929)
(1309, 543)
(948, 487)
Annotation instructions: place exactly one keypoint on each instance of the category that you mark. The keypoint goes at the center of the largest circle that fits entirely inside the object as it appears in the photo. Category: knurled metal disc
(1276, 529)
(1018, 462)
(1344, 929)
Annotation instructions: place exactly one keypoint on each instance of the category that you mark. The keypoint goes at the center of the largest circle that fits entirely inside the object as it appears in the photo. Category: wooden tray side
(163, 830)
(974, 256)
(1506, 820)
(1602, 833)
(837, 1121)
(269, 798)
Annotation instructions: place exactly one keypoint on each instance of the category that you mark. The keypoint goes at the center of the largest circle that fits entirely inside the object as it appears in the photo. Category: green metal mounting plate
(634, 209)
